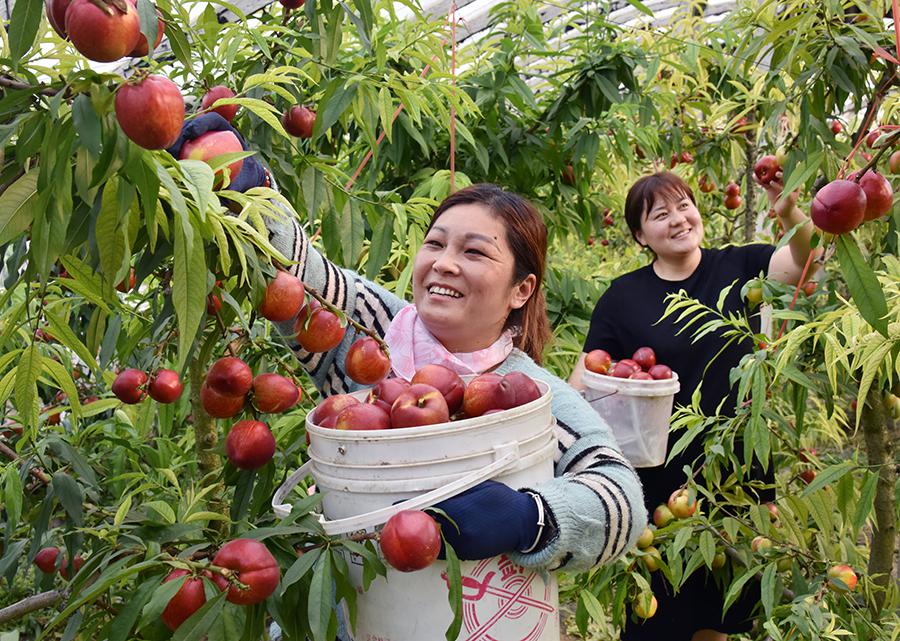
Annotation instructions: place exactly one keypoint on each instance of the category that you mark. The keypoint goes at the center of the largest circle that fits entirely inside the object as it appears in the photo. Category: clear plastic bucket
(363, 474)
(637, 411)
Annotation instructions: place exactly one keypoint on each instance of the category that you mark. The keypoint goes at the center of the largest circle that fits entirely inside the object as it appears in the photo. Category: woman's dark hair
(526, 235)
(643, 194)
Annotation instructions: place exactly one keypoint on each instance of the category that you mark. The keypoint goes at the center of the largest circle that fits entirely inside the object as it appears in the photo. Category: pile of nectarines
(435, 394)
(641, 366)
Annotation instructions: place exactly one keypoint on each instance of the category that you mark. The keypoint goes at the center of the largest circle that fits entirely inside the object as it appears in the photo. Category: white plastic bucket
(363, 474)
(637, 411)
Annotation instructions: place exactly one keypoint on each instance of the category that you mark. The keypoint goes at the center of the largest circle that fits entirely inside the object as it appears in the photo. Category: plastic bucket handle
(505, 454)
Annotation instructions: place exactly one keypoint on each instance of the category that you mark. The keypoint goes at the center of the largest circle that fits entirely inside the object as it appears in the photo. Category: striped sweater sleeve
(365, 302)
(595, 498)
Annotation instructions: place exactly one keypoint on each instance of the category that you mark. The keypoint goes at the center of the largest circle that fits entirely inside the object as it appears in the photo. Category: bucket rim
(548, 434)
(462, 425)
(606, 383)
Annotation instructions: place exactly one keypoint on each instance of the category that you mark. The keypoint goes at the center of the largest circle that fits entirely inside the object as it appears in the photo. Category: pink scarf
(413, 346)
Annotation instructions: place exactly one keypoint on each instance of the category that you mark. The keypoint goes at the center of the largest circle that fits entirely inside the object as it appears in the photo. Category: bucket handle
(506, 454)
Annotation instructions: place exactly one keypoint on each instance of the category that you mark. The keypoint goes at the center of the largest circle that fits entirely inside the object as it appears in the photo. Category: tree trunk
(877, 429)
(206, 437)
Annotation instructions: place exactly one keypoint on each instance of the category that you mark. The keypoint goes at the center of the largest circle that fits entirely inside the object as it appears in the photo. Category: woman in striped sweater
(478, 306)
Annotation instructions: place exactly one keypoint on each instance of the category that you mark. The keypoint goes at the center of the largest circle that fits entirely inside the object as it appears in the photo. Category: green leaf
(202, 620)
(110, 576)
(319, 608)
(864, 287)
(18, 206)
(26, 16)
(163, 509)
(70, 495)
(734, 590)
(64, 380)
(149, 23)
(314, 192)
(352, 232)
(300, 567)
(386, 111)
(122, 512)
(188, 290)
(265, 111)
(767, 588)
(27, 373)
(828, 475)
(178, 40)
(13, 553)
(707, 547)
(162, 594)
(12, 495)
(110, 233)
(454, 591)
(592, 605)
(61, 330)
(120, 627)
(199, 179)
(87, 123)
(802, 172)
(338, 95)
(866, 500)
(380, 246)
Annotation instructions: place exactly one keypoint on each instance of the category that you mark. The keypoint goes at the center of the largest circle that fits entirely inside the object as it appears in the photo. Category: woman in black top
(661, 212)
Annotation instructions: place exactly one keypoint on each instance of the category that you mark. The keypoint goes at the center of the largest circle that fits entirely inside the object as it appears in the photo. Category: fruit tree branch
(876, 426)
(206, 436)
(749, 193)
(887, 146)
(29, 605)
(12, 83)
(37, 473)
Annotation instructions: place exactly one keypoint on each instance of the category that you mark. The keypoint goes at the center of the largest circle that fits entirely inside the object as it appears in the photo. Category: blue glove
(252, 173)
(492, 519)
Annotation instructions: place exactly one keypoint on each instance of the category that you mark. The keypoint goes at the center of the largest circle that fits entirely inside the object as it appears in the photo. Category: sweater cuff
(550, 553)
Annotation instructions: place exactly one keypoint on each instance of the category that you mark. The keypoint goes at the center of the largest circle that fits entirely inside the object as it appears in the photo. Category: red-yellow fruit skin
(166, 386)
(151, 112)
(410, 540)
(220, 405)
(230, 376)
(101, 36)
(56, 15)
(189, 598)
(323, 332)
(299, 121)
(598, 361)
(283, 298)
(142, 48)
(844, 574)
(839, 207)
(255, 567)
(45, 559)
(879, 195)
(273, 393)
(228, 112)
(366, 362)
(128, 386)
(249, 445)
(210, 146)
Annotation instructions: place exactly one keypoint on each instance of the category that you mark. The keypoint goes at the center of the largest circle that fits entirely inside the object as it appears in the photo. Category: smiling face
(463, 278)
(672, 227)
